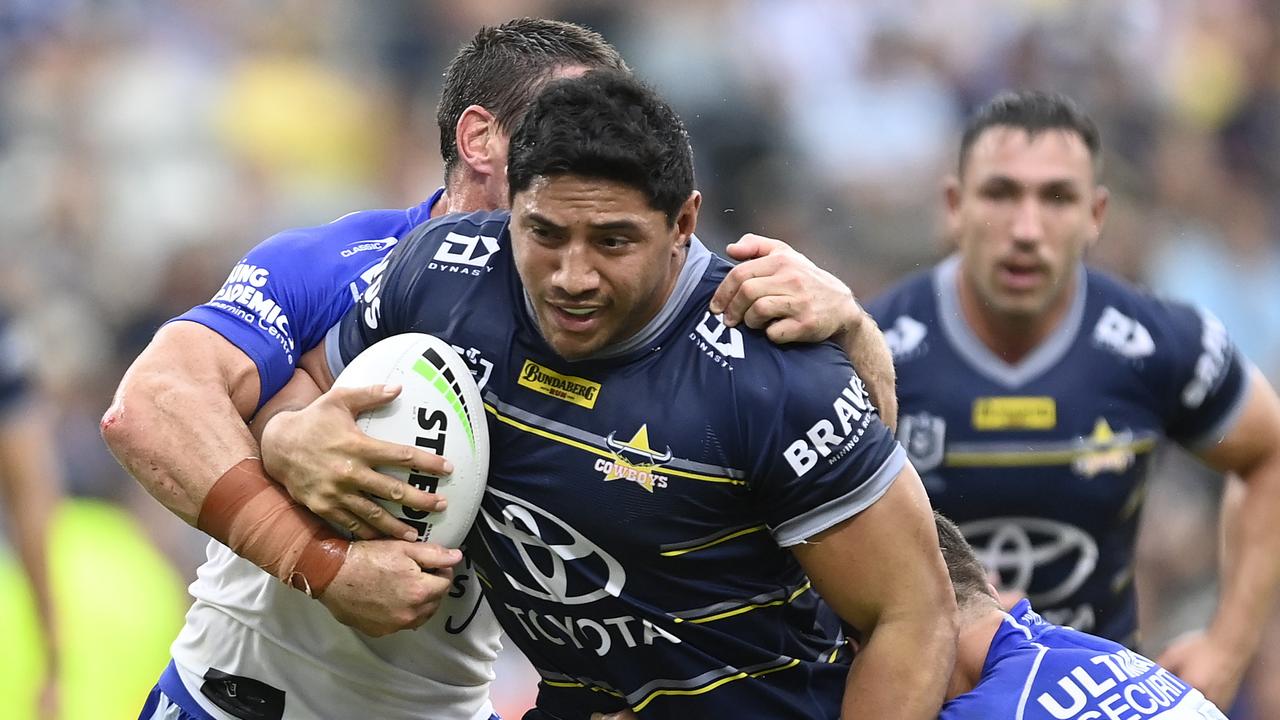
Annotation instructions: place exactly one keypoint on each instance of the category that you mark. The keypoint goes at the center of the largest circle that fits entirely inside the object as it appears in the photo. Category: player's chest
(1081, 421)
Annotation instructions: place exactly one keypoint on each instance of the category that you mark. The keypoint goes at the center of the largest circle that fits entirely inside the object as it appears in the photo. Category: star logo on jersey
(635, 460)
(1104, 451)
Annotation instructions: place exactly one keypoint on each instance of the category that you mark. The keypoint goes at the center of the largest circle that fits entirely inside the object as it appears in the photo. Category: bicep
(191, 354)
(885, 559)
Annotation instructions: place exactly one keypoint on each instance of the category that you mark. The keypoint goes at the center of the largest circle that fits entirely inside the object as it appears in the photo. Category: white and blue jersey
(1038, 671)
(251, 646)
(634, 536)
(1042, 463)
(279, 300)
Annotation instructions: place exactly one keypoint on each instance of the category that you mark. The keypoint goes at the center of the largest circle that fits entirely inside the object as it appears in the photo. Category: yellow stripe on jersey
(712, 543)
(749, 607)
(710, 686)
(1031, 458)
(556, 437)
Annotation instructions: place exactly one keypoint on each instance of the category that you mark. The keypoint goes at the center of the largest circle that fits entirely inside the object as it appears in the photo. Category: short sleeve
(823, 454)
(1204, 378)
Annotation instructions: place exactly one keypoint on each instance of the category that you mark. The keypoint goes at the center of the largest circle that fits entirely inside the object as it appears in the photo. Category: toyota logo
(1015, 547)
(561, 570)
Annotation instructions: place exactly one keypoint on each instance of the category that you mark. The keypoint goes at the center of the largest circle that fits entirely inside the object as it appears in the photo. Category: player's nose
(575, 273)
(1028, 222)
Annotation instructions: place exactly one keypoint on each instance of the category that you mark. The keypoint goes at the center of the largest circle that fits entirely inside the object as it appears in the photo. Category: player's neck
(977, 629)
(1011, 338)
(465, 195)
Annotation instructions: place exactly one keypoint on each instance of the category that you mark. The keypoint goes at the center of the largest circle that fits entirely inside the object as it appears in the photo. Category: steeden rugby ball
(439, 409)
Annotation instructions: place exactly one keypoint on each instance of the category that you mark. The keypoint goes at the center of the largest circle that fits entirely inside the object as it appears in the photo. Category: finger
(380, 452)
(358, 399)
(373, 514)
(398, 491)
(753, 246)
(749, 292)
(786, 330)
(342, 519)
(431, 556)
(769, 308)
(733, 281)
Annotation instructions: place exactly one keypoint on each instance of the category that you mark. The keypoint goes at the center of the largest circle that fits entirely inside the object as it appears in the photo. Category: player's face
(1023, 214)
(596, 260)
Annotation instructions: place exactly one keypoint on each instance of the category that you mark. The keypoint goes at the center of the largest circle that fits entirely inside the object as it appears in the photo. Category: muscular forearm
(867, 350)
(902, 671)
(177, 421)
(1250, 558)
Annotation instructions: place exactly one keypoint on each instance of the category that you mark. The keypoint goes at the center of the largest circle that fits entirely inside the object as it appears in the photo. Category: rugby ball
(439, 409)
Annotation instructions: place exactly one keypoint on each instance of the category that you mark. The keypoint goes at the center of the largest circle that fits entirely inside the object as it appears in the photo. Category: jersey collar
(975, 353)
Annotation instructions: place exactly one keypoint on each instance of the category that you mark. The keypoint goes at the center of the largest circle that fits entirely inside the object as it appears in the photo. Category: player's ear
(687, 219)
(477, 136)
(1098, 212)
(952, 194)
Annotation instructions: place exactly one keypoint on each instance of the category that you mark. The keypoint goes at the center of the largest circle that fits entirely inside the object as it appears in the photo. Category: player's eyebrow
(621, 224)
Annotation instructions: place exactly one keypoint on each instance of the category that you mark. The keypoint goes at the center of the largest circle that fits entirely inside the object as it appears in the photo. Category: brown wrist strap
(257, 519)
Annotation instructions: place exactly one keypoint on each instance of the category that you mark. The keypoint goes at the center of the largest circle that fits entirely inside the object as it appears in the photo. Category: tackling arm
(1215, 660)
(881, 570)
(794, 300)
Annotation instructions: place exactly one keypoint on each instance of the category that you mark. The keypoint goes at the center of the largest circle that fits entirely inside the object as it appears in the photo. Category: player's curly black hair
(605, 125)
(503, 67)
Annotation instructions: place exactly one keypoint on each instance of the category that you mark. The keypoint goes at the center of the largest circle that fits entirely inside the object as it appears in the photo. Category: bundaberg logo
(635, 460)
(576, 390)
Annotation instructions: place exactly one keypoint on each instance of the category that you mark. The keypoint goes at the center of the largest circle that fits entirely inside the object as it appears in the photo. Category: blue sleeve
(279, 300)
(1202, 379)
(15, 361)
(821, 453)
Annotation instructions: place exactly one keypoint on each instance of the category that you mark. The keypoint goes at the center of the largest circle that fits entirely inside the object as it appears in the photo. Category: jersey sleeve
(400, 287)
(279, 300)
(821, 453)
(1202, 378)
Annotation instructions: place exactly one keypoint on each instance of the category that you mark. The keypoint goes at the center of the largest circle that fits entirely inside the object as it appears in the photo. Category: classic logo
(1105, 451)
(635, 460)
(1018, 548)
(384, 244)
(725, 340)
(576, 390)
(924, 437)
(1015, 413)
(905, 337)
(470, 251)
(1123, 334)
(559, 563)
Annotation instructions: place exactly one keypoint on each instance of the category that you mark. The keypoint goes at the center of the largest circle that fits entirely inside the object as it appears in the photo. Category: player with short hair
(1033, 390)
(676, 545)
(1016, 665)
(178, 425)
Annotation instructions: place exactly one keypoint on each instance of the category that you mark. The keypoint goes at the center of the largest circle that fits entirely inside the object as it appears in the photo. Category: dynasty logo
(635, 460)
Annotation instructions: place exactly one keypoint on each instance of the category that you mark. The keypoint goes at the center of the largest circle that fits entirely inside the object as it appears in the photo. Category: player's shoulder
(914, 294)
(462, 241)
(1136, 323)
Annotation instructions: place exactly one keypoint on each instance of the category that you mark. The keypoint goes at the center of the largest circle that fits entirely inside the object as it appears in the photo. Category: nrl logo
(635, 460)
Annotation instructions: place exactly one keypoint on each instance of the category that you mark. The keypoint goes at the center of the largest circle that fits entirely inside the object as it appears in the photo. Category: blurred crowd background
(146, 144)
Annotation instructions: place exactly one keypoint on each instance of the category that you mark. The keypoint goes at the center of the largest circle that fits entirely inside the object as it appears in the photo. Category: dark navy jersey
(282, 297)
(1042, 463)
(1038, 671)
(15, 363)
(633, 537)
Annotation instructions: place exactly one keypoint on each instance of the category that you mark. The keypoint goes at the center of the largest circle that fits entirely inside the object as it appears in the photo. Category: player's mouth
(1020, 276)
(576, 318)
